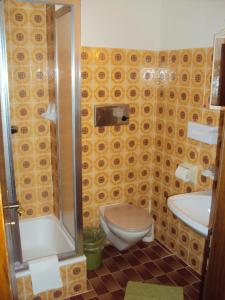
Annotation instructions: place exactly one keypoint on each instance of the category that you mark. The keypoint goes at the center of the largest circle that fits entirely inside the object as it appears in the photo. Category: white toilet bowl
(125, 224)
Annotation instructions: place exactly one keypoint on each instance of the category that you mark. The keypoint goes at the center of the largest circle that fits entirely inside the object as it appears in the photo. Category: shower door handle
(14, 129)
(17, 206)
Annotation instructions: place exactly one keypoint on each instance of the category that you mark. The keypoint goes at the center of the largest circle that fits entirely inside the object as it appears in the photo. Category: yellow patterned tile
(57, 294)
(118, 56)
(149, 58)
(186, 57)
(101, 56)
(163, 58)
(86, 55)
(198, 78)
(184, 77)
(101, 75)
(199, 57)
(173, 58)
(133, 75)
(76, 271)
(133, 57)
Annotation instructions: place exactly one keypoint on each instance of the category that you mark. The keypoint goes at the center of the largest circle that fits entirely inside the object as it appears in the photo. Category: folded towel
(45, 274)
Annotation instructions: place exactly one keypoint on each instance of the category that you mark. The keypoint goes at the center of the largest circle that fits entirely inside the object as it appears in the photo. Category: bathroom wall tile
(42, 296)
(133, 163)
(136, 163)
(76, 271)
(74, 283)
(29, 97)
(77, 287)
(113, 157)
(20, 288)
(57, 294)
(194, 69)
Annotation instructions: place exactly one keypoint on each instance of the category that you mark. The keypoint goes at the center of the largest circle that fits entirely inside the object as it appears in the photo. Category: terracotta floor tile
(89, 295)
(121, 278)
(165, 267)
(141, 256)
(105, 255)
(91, 274)
(153, 269)
(110, 264)
(111, 251)
(165, 280)
(89, 286)
(153, 243)
(164, 247)
(181, 261)
(118, 295)
(79, 297)
(149, 263)
(162, 252)
(194, 272)
(174, 262)
(133, 248)
(102, 271)
(143, 272)
(107, 296)
(99, 286)
(151, 254)
(197, 286)
(142, 245)
(121, 262)
(133, 261)
(153, 280)
(178, 279)
(188, 276)
(186, 297)
(110, 283)
(191, 292)
(132, 275)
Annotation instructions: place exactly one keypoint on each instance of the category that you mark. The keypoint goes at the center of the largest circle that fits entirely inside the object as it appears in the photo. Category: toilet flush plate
(111, 115)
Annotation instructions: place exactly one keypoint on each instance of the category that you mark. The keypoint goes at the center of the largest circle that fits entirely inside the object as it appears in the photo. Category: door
(65, 117)
(67, 47)
(214, 287)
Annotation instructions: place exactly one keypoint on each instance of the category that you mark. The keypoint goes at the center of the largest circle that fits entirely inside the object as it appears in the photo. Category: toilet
(125, 225)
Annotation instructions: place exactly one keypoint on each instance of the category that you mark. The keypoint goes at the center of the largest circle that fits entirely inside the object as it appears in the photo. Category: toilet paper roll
(182, 173)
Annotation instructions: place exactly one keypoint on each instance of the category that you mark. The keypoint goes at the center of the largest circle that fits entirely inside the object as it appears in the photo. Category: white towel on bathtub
(45, 274)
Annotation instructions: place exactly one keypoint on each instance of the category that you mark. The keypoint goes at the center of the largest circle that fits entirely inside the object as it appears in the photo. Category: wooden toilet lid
(128, 217)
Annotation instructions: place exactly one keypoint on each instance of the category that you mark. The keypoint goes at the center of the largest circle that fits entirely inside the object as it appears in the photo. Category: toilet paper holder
(187, 172)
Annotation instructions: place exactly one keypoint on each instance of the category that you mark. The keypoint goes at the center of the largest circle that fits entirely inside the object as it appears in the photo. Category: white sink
(193, 209)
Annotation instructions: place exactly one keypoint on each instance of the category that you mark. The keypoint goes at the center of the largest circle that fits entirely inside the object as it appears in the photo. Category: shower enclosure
(40, 129)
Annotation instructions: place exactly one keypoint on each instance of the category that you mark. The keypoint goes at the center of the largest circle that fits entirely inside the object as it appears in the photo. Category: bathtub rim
(62, 263)
(62, 256)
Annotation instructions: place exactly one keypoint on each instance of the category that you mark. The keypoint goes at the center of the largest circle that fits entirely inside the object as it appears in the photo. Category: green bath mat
(148, 291)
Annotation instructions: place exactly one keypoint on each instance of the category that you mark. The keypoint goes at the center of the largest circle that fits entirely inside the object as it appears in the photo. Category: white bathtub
(43, 236)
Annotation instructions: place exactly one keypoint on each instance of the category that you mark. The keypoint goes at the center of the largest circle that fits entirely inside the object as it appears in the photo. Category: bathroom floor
(145, 263)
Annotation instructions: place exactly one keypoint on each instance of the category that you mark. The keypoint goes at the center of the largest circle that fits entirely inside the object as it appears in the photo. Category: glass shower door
(10, 203)
(66, 117)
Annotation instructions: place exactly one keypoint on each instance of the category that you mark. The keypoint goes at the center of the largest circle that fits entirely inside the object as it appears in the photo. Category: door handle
(17, 206)
(14, 129)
